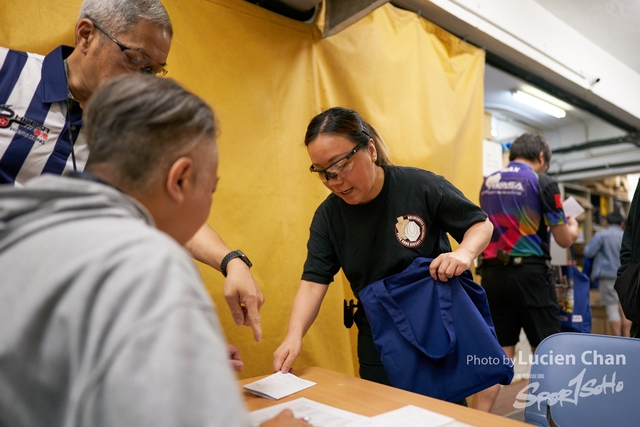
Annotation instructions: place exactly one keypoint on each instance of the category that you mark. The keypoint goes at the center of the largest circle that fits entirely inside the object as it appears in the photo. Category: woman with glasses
(378, 219)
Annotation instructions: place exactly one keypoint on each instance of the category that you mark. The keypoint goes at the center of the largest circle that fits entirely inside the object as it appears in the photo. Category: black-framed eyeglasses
(136, 59)
(340, 167)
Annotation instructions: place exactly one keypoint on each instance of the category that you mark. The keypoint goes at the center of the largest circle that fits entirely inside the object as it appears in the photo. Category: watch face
(245, 258)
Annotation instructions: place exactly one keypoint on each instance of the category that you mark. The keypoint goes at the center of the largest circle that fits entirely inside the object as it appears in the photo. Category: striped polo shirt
(36, 123)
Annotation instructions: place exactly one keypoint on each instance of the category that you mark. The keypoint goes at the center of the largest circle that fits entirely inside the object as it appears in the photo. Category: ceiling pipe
(302, 5)
(632, 138)
(300, 10)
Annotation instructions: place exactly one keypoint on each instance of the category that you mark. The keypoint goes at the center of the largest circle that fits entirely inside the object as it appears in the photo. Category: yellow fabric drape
(37, 25)
(266, 76)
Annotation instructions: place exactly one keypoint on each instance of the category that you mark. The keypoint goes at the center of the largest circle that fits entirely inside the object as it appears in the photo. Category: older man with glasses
(41, 101)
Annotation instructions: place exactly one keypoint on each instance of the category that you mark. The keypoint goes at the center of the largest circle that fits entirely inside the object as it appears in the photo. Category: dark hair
(528, 146)
(614, 218)
(138, 125)
(349, 124)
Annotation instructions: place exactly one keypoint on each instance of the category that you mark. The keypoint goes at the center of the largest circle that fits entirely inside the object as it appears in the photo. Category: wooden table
(369, 398)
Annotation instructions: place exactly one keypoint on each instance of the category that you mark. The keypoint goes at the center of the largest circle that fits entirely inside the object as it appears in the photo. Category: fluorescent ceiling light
(539, 104)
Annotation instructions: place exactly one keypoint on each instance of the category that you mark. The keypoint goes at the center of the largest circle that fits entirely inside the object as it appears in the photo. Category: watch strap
(232, 255)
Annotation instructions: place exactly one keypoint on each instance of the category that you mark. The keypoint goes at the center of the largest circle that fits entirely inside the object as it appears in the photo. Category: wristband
(232, 255)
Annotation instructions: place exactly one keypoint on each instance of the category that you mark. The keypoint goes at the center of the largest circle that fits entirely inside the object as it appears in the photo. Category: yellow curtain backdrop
(266, 76)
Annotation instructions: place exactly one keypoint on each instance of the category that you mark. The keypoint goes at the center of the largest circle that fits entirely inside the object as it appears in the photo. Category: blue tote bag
(573, 297)
(435, 338)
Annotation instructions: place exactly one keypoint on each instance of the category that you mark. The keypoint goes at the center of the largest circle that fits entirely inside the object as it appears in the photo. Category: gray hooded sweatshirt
(104, 320)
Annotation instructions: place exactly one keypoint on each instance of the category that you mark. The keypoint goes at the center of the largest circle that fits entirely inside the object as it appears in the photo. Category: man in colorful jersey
(523, 204)
(41, 101)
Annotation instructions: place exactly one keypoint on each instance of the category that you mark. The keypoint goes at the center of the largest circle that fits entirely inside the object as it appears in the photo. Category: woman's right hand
(286, 354)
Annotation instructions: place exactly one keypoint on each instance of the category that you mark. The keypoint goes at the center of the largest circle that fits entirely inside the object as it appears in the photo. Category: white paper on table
(319, 414)
(407, 416)
(278, 385)
(572, 207)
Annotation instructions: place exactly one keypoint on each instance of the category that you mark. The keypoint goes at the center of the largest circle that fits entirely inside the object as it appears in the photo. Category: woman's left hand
(450, 264)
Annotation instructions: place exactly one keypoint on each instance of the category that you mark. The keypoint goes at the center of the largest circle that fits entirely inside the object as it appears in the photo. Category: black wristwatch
(231, 255)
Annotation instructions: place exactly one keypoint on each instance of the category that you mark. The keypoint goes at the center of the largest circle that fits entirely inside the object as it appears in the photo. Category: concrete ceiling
(613, 25)
(610, 24)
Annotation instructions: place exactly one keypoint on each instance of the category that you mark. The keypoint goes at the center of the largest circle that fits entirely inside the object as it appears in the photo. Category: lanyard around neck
(70, 101)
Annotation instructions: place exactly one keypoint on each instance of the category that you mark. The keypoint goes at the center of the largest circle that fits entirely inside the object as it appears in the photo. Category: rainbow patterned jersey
(521, 204)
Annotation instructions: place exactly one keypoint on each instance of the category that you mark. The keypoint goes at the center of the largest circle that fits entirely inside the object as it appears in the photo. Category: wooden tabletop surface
(369, 398)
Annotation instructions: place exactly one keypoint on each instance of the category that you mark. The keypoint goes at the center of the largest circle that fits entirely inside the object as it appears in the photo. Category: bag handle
(445, 299)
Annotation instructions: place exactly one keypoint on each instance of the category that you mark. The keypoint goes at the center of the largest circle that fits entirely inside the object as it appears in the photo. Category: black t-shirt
(409, 218)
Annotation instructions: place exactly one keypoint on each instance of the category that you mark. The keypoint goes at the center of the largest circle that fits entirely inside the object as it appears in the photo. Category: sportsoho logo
(410, 230)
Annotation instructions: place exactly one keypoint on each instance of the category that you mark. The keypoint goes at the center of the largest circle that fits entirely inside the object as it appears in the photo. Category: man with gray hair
(41, 102)
(105, 320)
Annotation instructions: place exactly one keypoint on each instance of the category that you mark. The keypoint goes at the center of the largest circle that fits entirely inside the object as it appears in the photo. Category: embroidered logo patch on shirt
(410, 230)
(558, 200)
(23, 126)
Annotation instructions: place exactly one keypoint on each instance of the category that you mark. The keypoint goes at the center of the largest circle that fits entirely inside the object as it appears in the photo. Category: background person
(604, 248)
(41, 101)
(377, 220)
(630, 257)
(523, 204)
(105, 318)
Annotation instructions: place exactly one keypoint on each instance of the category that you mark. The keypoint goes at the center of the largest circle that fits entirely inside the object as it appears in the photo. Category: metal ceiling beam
(597, 173)
(341, 13)
(632, 138)
(625, 158)
(302, 5)
(593, 163)
(300, 10)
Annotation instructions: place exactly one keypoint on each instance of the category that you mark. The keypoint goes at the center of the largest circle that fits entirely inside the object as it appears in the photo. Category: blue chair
(583, 380)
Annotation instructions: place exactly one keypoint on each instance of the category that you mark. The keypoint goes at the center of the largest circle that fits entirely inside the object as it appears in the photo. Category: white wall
(508, 130)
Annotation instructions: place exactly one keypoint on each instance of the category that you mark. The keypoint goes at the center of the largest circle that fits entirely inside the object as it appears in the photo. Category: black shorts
(522, 296)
